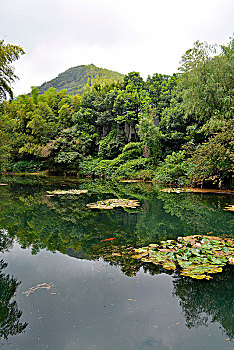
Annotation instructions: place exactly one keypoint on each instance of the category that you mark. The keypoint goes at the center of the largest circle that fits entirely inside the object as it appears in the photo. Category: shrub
(173, 170)
(125, 165)
(213, 161)
(95, 167)
(144, 174)
(133, 146)
(111, 145)
(25, 166)
(129, 168)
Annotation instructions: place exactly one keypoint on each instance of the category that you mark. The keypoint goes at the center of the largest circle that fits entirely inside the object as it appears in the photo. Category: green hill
(78, 79)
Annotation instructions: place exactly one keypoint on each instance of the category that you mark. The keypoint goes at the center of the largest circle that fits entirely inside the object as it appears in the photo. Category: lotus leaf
(114, 203)
(139, 256)
(142, 250)
(146, 260)
(153, 245)
(169, 265)
(152, 253)
(67, 192)
(198, 256)
(229, 208)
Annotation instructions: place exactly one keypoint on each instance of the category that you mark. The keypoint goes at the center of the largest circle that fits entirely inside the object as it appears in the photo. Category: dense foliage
(9, 313)
(173, 129)
(8, 54)
(78, 79)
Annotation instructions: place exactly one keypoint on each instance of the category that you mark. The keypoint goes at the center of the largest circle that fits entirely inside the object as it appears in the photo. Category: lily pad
(229, 208)
(198, 256)
(67, 192)
(114, 203)
(169, 265)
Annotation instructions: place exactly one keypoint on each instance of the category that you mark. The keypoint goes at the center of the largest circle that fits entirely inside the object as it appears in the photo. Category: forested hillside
(173, 129)
(76, 80)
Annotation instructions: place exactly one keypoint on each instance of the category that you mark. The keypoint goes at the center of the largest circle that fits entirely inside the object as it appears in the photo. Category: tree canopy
(8, 54)
(173, 129)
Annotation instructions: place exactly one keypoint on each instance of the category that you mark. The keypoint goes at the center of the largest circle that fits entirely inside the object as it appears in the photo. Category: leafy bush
(115, 167)
(129, 168)
(25, 166)
(213, 161)
(133, 146)
(173, 170)
(132, 150)
(111, 145)
(144, 174)
(95, 167)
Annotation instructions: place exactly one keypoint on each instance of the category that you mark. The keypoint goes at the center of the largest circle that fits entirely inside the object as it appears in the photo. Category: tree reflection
(201, 302)
(9, 313)
(60, 223)
(199, 213)
(63, 223)
(207, 301)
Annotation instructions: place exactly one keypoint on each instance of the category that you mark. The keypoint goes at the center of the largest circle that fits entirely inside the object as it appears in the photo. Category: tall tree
(8, 54)
(207, 82)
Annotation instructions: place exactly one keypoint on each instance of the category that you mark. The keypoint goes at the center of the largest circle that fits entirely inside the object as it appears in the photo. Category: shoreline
(174, 189)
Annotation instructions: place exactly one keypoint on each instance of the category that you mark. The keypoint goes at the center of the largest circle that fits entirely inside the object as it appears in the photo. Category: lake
(63, 288)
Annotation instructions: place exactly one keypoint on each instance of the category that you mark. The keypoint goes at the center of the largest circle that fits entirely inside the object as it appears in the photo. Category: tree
(213, 161)
(149, 134)
(207, 82)
(8, 54)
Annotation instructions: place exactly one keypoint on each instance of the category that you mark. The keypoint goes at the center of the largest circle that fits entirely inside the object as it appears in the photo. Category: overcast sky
(147, 36)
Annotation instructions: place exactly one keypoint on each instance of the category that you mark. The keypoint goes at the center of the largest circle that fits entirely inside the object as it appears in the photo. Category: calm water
(60, 290)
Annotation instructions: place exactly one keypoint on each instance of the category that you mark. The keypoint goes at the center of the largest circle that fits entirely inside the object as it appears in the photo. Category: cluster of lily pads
(198, 256)
(67, 192)
(174, 190)
(114, 203)
(229, 208)
(194, 190)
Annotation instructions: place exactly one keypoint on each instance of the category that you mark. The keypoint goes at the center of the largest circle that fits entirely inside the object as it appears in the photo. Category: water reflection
(9, 313)
(207, 301)
(64, 224)
(201, 302)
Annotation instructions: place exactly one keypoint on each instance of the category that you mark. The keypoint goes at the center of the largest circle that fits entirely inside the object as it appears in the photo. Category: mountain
(78, 79)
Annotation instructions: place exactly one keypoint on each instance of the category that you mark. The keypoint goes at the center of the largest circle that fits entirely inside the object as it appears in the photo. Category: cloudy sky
(146, 36)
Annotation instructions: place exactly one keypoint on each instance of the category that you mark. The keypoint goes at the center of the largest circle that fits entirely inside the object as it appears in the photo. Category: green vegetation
(8, 54)
(77, 80)
(113, 203)
(29, 213)
(170, 129)
(198, 256)
(9, 313)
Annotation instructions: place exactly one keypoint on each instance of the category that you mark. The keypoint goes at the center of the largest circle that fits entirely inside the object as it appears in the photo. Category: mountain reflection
(9, 313)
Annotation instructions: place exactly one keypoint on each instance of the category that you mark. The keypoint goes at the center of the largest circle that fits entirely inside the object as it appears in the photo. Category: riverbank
(171, 189)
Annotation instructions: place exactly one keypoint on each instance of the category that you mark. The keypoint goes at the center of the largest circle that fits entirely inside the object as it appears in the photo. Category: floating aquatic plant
(174, 190)
(198, 256)
(194, 190)
(114, 203)
(133, 181)
(229, 208)
(67, 192)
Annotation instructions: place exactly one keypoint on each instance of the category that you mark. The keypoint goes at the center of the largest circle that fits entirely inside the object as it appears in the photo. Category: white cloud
(125, 35)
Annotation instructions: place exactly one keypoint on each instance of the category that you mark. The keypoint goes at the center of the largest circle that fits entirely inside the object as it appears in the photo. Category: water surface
(64, 293)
